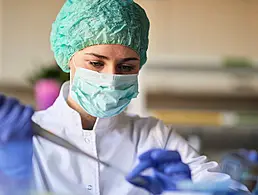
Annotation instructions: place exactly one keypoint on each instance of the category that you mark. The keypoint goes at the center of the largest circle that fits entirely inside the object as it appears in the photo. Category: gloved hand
(167, 167)
(15, 139)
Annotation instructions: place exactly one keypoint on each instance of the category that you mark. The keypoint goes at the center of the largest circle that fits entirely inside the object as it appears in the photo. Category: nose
(111, 69)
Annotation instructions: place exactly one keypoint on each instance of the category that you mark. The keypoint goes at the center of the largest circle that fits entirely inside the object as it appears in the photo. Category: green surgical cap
(83, 23)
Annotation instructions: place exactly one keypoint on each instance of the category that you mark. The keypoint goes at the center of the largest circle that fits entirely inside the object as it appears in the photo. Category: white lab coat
(118, 140)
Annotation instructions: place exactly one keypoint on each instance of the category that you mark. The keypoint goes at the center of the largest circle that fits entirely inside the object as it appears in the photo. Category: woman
(103, 44)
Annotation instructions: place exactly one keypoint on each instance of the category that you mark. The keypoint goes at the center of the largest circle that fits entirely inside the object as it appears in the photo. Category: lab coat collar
(71, 119)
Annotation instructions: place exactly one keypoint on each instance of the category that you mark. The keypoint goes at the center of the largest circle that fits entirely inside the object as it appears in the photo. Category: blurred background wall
(203, 27)
(1, 35)
(25, 37)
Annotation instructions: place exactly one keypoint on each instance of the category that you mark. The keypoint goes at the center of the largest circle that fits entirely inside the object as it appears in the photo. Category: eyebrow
(106, 58)
(97, 55)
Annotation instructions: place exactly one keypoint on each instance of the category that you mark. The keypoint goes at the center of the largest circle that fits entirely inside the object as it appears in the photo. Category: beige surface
(25, 37)
(189, 117)
(211, 102)
(203, 27)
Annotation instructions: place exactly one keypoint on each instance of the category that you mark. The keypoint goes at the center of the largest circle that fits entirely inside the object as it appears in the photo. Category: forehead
(111, 51)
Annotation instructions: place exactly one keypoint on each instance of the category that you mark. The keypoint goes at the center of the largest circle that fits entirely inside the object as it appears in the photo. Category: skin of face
(111, 59)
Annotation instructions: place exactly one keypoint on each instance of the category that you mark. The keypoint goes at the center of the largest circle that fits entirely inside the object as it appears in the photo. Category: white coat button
(89, 187)
(87, 140)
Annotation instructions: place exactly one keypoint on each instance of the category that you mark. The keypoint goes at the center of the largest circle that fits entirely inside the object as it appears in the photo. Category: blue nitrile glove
(250, 155)
(15, 140)
(167, 167)
(253, 156)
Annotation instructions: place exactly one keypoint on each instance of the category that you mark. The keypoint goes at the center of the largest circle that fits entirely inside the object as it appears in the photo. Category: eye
(96, 64)
(126, 68)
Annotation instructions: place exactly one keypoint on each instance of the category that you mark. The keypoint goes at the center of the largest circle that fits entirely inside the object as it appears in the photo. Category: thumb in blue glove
(167, 167)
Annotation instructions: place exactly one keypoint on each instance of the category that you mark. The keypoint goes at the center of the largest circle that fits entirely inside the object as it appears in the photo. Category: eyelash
(128, 68)
(96, 64)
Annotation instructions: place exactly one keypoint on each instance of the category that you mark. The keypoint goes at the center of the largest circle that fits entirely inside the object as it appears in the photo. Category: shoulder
(46, 118)
(39, 116)
(42, 115)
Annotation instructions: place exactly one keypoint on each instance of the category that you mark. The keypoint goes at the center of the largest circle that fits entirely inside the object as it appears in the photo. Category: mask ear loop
(74, 65)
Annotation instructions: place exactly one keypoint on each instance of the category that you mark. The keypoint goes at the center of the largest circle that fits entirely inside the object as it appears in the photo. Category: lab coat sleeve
(201, 168)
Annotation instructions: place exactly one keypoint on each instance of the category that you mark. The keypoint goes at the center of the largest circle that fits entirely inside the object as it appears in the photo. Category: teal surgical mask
(103, 95)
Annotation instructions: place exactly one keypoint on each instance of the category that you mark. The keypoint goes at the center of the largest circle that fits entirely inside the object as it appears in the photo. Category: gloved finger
(25, 125)
(147, 155)
(168, 183)
(139, 181)
(177, 169)
(165, 156)
(151, 184)
(6, 118)
(161, 167)
(20, 129)
(4, 135)
(7, 106)
(14, 112)
(142, 166)
(11, 122)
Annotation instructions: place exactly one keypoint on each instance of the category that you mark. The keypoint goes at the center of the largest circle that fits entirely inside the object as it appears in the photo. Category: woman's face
(112, 59)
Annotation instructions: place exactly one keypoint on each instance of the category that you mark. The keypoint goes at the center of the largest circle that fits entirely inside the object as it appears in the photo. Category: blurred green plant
(49, 72)
(237, 62)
